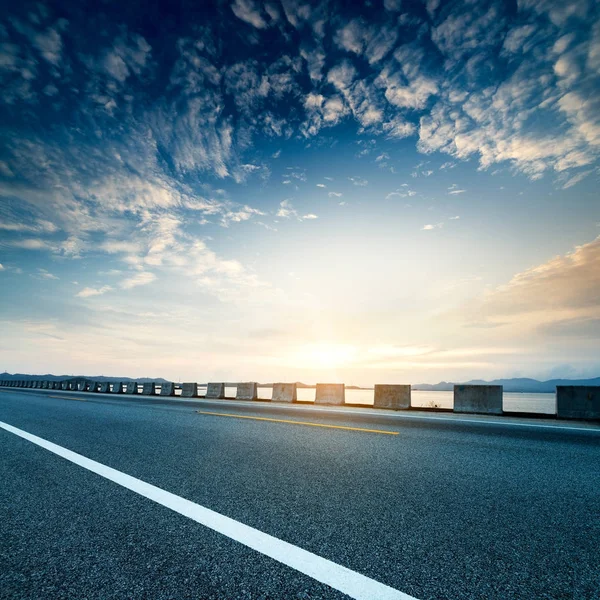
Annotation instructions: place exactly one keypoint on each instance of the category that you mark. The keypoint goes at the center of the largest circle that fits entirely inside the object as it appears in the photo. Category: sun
(325, 355)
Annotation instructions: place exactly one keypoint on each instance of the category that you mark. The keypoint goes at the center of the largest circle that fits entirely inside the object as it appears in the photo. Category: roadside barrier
(480, 399)
(285, 392)
(167, 389)
(396, 397)
(189, 390)
(578, 402)
(148, 388)
(572, 402)
(247, 391)
(215, 391)
(330, 393)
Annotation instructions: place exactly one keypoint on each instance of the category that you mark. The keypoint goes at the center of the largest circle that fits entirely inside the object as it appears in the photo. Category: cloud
(321, 185)
(249, 11)
(359, 181)
(49, 43)
(334, 194)
(455, 192)
(1, 267)
(89, 292)
(567, 287)
(287, 211)
(430, 226)
(44, 274)
(571, 181)
(141, 278)
(370, 40)
(32, 244)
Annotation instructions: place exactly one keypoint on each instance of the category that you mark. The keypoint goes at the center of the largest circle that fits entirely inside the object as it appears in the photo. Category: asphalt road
(450, 507)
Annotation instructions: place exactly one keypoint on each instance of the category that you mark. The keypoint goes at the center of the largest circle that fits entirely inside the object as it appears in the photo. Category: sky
(391, 191)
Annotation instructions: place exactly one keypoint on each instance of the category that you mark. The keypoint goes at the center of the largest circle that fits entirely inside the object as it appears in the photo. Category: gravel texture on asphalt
(444, 510)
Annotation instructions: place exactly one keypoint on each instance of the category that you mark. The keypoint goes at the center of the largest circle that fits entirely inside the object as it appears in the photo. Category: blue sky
(378, 192)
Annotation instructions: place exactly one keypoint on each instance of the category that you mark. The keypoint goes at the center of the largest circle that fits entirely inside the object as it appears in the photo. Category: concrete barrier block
(578, 402)
(215, 391)
(37, 384)
(45, 385)
(482, 399)
(167, 389)
(284, 392)
(189, 390)
(56, 385)
(117, 387)
(131, 387)
(396, 397)
(82, 386)
(103, 387)
(29, 384)
(148, 388)
(247, 391)
(330, 393)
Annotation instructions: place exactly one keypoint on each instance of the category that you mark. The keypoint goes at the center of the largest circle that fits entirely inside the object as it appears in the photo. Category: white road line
(325, 571)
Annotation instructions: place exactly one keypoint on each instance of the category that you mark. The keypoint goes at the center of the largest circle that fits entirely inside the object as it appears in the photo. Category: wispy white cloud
(249, 11)
(88, 292)
(575, 179)
(137, 279)
(431, 226)
(287, 211)
(359, 181)
(560, 294)
(334, 194)
(44, 274)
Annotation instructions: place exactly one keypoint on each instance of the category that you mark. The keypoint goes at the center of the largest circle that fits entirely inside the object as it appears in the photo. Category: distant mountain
(521, 384)
(510, 385)
(48, 377)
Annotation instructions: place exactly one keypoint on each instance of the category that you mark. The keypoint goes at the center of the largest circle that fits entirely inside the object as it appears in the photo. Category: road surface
(433, 506)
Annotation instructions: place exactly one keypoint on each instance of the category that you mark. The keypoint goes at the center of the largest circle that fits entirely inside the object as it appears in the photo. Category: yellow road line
(65, 398)
(33, 390)
(214, 414)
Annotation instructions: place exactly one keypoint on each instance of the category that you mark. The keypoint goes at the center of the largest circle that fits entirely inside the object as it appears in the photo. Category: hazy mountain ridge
(519, 384)
(49, 377)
